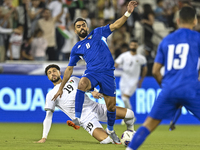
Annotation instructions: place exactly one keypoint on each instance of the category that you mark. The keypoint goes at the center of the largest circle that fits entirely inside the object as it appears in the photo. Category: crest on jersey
(71, 81)
(90, 37)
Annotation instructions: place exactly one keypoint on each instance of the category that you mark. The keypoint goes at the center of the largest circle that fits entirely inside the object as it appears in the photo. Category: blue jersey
(179, 52)
(94, 51)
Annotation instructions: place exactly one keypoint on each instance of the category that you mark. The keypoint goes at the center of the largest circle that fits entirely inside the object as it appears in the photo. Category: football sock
(111, 119)
(129, 119)
(139, 137)
(79, 103)
(126, 102)
(107, 141)
(177, 115)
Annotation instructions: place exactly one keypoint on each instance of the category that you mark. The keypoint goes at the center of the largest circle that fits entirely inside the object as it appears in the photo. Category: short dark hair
(79, 19)
(51, 66)
(134, 40)
(158, 1)
(187, 14)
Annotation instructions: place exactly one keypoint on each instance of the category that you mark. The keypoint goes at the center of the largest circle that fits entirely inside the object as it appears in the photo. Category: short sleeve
(105, 30)
(160, 56)
(74, 58)
(50, 105)
(143, 60)
(119, 59)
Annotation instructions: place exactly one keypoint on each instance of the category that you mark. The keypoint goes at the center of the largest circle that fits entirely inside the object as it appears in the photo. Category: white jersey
(16, 41)
(67, 102)
(131, 66)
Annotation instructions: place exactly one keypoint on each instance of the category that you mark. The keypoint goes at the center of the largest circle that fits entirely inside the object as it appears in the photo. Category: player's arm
(46, 126)
(118, 23)
(143, 75)
(116, 65)
(67, 75)
(156, 72)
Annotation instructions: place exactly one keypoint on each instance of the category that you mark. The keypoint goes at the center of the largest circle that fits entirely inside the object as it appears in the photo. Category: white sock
(128, 148)
(108, 140)
(126, 102)
(129, 119)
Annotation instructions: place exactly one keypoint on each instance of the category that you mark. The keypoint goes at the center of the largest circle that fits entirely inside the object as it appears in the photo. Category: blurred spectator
(84, 15)
(148, 20)
(47, 25)
(39, 46)
(26, 50)
(14, 49)
(69, 43)
(35, 15)
(43, 3)
(171, 17)
(160, 13)
(56, 8)
(120, 36)
(197, 27)
(23, 17)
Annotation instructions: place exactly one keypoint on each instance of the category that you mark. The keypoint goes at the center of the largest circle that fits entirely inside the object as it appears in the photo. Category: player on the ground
(100, 67)
(131, 64)
(92, 113)
(179, 52)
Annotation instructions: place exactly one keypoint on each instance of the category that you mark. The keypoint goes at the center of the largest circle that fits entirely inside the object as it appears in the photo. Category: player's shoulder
(141, 56)
(74, 80)
(125, 53)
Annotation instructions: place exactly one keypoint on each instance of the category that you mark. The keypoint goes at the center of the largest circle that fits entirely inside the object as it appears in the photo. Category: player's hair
(134, 40)
(158, 1)
(79, 19)
(51, 66)
(187, 14)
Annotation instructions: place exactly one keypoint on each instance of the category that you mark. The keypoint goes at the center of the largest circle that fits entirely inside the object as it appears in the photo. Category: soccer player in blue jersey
(100, 68)
(179, 52)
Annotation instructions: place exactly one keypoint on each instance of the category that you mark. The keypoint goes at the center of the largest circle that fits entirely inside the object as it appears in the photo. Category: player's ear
(59, 73)
(178, 21)
(195, 21)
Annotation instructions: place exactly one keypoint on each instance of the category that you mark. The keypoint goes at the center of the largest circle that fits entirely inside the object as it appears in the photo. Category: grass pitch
(21, 136)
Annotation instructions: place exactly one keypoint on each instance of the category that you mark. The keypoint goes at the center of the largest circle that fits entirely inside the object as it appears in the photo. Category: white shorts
(92, 121)
(128, 90)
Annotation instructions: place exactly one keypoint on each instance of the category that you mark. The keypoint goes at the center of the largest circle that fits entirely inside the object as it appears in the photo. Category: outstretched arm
(118, 23)
(67, 75)
(46, 126)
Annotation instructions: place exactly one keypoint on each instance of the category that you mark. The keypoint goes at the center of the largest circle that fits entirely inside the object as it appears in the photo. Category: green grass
(21, 136)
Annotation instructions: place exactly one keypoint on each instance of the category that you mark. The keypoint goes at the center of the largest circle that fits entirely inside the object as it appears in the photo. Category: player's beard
(84, 34)
(55, 80)
(133, 49)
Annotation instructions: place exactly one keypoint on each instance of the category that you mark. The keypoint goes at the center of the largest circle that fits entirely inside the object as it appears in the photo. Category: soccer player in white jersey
(131, 63)
(92, 112)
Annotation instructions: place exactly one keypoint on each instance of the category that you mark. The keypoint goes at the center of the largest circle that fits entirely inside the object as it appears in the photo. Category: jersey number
(69, 88)
(182, 51)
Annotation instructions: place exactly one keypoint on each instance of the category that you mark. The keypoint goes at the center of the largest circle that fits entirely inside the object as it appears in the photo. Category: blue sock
(177, 115)
(139, 137)
(111, 119)
(79, 103)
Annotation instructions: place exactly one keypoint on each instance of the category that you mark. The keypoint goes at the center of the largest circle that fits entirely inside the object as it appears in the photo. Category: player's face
(53, 75)
(81, 29)
(133, 46)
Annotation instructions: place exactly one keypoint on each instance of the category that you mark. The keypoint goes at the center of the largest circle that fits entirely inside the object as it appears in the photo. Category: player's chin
(83, 35)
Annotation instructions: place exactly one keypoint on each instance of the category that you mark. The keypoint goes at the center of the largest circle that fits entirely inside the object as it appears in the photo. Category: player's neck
(187, 26)
(58, 82)
(133, 53)
(82, 38)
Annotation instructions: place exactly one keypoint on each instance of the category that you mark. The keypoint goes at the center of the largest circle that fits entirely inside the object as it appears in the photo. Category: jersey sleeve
(143, 60)
(104, 31)
(50, 105)
(74, 58)
(160, 55)
(119, 59)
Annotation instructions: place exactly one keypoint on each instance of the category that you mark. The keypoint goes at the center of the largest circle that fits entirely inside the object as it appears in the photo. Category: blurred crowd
(46, 32)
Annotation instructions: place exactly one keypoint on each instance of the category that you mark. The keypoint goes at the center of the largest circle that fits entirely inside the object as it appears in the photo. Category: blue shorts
(106, 82)
(165, 107)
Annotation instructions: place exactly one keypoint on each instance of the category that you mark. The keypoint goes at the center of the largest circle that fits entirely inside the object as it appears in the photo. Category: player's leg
(126, 100)
(177, 115)
(127, 115)
(111, 115)
(84, 85)
(139, 137)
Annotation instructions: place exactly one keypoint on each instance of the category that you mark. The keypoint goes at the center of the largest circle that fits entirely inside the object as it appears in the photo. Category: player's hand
(97, 95)
(59, 93)
(41, 141)
(131, 6)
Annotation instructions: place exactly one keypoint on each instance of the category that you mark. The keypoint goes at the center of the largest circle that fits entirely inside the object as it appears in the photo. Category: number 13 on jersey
(181, 50)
